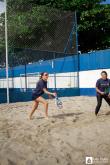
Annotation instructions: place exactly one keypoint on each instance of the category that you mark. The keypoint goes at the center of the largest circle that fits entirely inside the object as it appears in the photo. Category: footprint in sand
(75, 119)
(58, 161)
(53, 121)
(10, 162)
(49, 130)
(108, 113)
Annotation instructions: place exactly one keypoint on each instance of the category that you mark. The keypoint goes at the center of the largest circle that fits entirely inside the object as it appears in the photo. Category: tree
(28, 19)
(93, 21)
(94, 28)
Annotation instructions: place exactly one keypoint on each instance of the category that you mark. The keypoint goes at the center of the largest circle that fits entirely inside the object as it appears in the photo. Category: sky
(2, 6)
(106, 2)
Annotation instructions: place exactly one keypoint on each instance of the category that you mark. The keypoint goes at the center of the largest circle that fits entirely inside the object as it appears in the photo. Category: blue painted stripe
(95, 60)
(17, 96)
(3, 96)
(89, 61)
(87, 92)
(67, 64)
(3, 73)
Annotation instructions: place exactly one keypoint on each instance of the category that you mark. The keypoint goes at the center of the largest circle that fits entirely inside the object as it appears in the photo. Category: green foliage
(28, 19)
(94, 28)
(95, 18)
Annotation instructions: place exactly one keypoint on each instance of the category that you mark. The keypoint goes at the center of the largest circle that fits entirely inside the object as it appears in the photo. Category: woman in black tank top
(41, 88)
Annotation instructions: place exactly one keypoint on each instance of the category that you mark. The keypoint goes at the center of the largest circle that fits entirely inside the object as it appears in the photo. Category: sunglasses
(45, 74)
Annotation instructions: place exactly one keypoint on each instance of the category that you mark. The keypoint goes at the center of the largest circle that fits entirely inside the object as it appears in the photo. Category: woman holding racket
(41, 88)
(102, 89)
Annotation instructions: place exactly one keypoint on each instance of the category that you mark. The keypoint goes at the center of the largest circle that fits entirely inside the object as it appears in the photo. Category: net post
(6, 47)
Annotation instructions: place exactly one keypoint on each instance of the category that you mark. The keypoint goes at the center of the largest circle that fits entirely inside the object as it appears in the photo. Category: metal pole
(54, 72)
(78, 59)
(25, 77)
(6, 47)
(53, 67)
(76, 32)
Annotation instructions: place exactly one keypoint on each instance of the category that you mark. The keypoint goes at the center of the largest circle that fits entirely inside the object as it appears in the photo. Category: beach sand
(66, 138)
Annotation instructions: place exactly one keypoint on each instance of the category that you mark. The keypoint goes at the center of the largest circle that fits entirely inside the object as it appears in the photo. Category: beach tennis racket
(107, 91)
(58, 102)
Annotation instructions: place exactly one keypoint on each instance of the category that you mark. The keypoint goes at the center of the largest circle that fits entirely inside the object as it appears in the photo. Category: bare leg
(45, 103)
(34, 107)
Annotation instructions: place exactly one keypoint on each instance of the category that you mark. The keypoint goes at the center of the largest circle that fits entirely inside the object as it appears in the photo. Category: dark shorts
(35, 96)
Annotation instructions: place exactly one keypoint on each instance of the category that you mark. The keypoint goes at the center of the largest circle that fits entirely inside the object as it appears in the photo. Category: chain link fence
(36, 27)
(36, 33)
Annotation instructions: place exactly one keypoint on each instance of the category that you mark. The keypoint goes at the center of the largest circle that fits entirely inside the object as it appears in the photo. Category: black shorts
(35, 96)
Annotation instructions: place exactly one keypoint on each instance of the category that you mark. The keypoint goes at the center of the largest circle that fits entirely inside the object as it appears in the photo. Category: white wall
(63, 80)
(87, 79)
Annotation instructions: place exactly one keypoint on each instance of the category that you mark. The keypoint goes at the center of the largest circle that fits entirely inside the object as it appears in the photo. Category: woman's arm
(102, 93)
(49, 93)
(50, 96)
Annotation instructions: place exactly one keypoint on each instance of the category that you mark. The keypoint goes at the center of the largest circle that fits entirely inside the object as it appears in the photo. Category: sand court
(66, 138)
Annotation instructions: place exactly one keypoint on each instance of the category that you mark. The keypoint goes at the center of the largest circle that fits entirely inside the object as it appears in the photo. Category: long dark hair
(41, 74)
(104, 73)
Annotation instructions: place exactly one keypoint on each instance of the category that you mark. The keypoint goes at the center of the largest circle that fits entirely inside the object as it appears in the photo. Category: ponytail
(41, 74)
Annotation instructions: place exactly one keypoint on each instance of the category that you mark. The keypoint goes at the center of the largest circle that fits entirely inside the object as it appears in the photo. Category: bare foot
(46, 117)
(30, 117)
